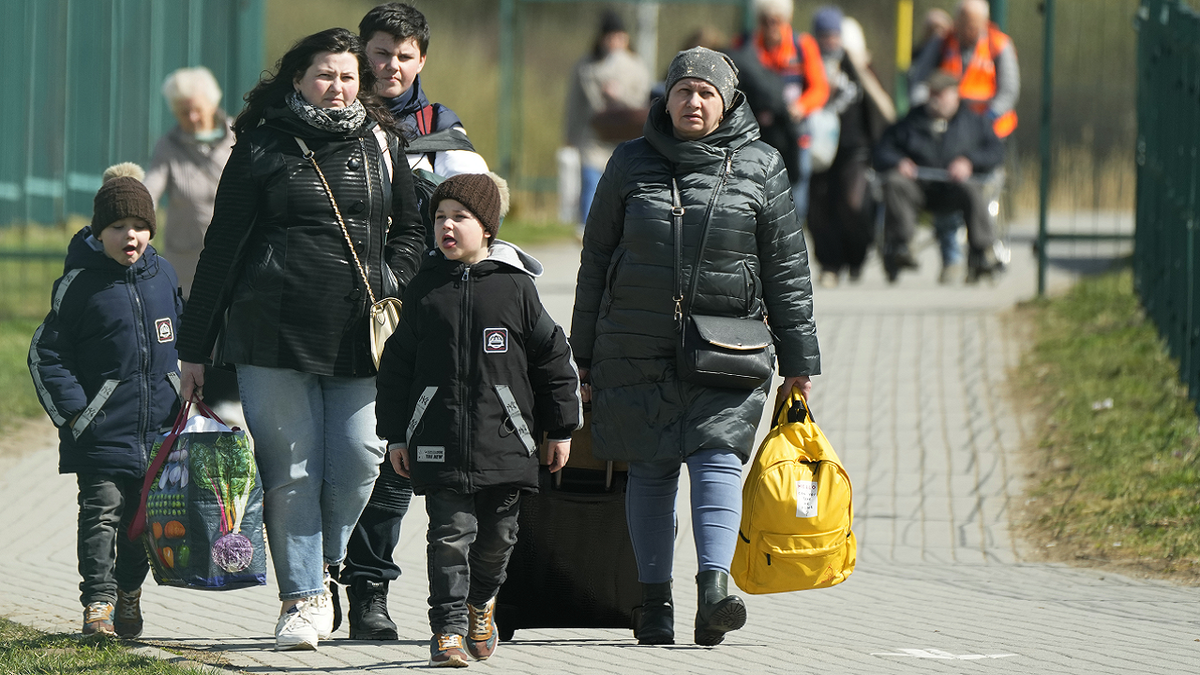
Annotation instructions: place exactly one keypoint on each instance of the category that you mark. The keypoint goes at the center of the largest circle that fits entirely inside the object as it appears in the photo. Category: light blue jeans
(589, 180)
(800, 187)
(318, 457)
(716, 490)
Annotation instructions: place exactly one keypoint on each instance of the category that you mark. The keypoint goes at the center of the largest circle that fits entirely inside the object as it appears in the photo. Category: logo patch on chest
(164, 329)
(495, 340)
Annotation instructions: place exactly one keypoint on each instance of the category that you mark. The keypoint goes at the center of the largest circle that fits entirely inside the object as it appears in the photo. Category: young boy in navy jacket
(474, 372)
(106, 371)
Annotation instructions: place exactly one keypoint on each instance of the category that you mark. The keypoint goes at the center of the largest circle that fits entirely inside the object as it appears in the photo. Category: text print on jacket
(106, 352)
(462, 382)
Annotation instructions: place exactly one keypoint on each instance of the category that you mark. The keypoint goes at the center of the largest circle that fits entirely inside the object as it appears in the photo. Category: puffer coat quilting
(755, 265)
(275, 257)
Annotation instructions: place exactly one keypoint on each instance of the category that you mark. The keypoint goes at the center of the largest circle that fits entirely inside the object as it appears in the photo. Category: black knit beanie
(122, 195)
(484, 194)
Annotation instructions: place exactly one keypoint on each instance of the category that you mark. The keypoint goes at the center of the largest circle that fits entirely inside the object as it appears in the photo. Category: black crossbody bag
(714, 351)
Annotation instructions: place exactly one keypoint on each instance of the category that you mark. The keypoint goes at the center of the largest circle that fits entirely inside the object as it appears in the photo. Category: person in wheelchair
(935, 158)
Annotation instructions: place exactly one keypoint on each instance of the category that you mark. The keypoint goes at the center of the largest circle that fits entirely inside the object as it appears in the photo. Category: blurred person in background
(951, 138)
(792, 69)
(606, 103)
(937, 25)
(396, 36)
(841, 214)
(187, 165)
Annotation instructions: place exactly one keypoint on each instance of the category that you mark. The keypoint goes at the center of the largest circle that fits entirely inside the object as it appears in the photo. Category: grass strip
(18, 400)
(1116, 476)
(25, 651)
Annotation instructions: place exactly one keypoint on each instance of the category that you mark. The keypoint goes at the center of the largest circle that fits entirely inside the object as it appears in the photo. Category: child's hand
(398, 454)
(560, 451)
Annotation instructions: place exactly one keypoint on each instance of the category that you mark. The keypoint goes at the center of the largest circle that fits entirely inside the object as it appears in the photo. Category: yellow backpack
(797, 509)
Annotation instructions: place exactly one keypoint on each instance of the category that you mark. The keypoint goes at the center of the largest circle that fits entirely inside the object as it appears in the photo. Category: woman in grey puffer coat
(624, 332)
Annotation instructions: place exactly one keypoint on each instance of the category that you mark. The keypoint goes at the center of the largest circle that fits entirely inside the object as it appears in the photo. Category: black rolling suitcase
(573, 565)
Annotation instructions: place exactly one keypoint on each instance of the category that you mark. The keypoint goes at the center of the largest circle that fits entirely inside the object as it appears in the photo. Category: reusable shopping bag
(797, 510)
(201, 511)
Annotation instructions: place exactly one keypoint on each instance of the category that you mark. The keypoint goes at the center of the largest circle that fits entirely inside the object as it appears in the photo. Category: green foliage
(24, 651)
(1121, 480)
(17, 397)
(531, 233)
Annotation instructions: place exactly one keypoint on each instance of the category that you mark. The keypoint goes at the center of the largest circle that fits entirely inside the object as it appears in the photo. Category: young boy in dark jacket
(106, 371)
(474, 373)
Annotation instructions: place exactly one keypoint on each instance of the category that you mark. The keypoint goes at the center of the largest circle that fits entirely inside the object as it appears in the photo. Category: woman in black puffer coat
(624, 332)
(279, 294)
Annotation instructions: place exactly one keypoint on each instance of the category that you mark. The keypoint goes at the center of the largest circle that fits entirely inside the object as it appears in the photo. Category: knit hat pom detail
(502, 186)
(127, 169)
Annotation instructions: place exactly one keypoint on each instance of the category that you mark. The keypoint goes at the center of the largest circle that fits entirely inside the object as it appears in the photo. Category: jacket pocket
(610, 281)
(93, 408)
(514, 418)
(750, 284)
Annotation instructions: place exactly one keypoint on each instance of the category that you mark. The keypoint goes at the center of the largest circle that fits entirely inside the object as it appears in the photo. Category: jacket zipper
(144, 377)
(463, 361)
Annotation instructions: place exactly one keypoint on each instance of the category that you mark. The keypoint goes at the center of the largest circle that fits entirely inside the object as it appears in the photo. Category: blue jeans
(945, 226)
(471, 537)
(318, 456)
(800, 187)
(589, 179)
(716, 490)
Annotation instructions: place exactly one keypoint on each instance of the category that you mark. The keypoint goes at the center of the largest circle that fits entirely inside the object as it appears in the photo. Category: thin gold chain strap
(308, 154)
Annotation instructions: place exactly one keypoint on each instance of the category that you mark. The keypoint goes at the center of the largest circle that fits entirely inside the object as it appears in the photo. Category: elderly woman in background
(281, 281)
(624, 332)
(187, 165)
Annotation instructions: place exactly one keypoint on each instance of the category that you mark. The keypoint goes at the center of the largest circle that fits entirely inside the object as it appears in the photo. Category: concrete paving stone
(914, 398)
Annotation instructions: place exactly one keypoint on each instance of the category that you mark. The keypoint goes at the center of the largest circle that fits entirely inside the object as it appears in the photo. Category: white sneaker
(319, 609)
(295, 630)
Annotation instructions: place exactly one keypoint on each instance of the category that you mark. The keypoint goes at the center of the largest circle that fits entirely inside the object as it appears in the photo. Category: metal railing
(1168, 178)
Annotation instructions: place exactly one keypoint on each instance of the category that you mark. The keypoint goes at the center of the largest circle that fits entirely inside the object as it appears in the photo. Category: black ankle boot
(717, 611)
(656, 625)
(368, 615)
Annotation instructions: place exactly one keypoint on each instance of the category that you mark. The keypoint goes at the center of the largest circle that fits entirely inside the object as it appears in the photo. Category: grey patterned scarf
(343, 120)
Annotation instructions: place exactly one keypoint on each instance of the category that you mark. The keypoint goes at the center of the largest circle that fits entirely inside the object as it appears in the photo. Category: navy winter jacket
(106, 352)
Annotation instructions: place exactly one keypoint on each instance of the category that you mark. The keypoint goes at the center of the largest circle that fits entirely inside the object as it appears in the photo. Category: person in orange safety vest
(783, 77)
(984, 60)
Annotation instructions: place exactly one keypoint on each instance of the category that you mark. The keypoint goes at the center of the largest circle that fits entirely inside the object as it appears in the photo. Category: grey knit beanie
(714, 68)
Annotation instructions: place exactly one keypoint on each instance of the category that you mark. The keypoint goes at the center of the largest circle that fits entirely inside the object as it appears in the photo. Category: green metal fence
(1168, 178)
(86, 85)
(88, 79)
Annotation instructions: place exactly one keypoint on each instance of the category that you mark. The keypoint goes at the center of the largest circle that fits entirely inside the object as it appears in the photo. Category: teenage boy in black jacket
(938, 135)
(397, 39)
(472, 376)
(106, 371)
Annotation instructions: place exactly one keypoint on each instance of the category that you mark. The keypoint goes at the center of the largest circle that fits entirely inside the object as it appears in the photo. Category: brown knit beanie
(122, 195)
(484, 194)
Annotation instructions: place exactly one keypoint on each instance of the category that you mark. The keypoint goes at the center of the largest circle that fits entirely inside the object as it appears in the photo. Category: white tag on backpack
(806, 499)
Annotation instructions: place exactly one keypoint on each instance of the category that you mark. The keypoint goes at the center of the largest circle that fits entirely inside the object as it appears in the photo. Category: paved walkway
(915, 399)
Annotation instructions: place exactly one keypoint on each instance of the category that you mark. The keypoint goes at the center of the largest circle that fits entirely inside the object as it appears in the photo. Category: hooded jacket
(967, 134)
(755, 264)
(106, 352)
(275, 259)
(465, 383)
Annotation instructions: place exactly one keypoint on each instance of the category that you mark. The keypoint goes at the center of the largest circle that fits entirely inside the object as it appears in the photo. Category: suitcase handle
(608, 476)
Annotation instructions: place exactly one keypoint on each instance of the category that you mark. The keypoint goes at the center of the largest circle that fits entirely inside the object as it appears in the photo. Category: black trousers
(107, 559)
(471, 537)
(375, 537)
(840, 214)
(905, 198)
